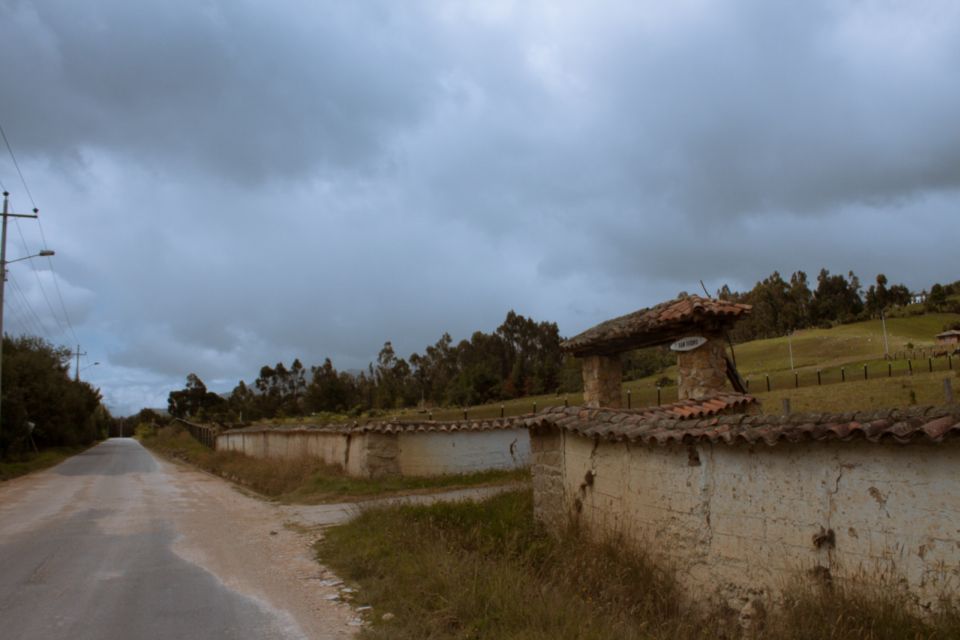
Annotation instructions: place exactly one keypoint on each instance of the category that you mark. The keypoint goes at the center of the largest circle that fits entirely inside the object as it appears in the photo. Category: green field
(847, 347)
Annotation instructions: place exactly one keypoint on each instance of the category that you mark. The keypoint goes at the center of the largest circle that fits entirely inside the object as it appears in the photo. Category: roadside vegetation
(487, 570)
(303, 481)
(46, 412)
(27, 462)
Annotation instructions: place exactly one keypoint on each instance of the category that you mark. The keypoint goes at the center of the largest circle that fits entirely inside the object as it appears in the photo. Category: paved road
(115, 544)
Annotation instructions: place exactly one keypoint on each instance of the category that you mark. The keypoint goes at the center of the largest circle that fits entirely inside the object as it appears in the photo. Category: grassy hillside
(848, 346)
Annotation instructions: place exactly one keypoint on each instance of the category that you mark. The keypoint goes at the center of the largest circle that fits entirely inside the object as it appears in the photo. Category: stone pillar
(703, 371)
(602, 378)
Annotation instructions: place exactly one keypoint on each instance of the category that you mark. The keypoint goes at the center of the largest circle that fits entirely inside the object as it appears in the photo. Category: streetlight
(46, 253)
(7, 214)
(85, 368)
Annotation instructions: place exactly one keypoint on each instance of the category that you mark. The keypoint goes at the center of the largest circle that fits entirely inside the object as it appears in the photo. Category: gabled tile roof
(656, 325)
(901, 426)
(389, 426)
(714, 405)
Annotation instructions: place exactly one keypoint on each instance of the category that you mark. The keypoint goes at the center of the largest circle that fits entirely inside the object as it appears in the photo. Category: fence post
(464, 414)
(501, 409)
(910, 366)
(889, 370)
(796, 380)
(930, 364)
(658, 395)
(864, 372)
(629, 402)
(430, 415)
(534, 406)
(786, 406)
(948, 390)
(768, 381)
(565, 401)
(818, 377)
(747, 383)
(843, 374)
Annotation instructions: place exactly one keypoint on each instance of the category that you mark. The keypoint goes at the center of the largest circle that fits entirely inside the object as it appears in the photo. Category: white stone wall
(438, 453)
(736, 521)
(373, 454)
(286, 445)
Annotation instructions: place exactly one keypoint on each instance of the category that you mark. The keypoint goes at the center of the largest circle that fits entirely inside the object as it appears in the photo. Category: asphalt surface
(89, 549)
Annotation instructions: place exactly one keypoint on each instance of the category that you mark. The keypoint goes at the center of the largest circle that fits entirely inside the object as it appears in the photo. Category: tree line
(522, 357)
(782, 306)
(41, 405)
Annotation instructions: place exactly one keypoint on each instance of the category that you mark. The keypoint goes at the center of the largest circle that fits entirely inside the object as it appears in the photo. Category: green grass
(879, 393)
(307, 481)
(848, 347)
(849, 343)
(487, 571)
(30, 462)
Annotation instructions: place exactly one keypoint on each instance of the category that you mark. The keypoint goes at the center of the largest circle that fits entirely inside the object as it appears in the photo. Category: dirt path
(326, 515)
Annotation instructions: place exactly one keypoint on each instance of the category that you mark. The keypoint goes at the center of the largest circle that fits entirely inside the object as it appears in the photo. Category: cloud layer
(228, 186)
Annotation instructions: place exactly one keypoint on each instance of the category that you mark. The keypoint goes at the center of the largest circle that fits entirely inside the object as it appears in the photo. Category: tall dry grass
(487, 571)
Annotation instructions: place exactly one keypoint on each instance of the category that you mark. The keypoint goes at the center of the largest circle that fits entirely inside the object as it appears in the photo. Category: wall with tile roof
(738, 522)
(433, 448)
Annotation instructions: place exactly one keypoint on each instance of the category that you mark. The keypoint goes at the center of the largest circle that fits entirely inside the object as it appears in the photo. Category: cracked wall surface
(370, 454)
(738, 522)
(436, 453)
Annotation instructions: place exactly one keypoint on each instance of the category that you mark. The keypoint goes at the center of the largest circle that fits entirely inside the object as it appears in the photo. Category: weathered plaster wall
(371, 454)
(736, 521)
(437, 453)
(329, 447)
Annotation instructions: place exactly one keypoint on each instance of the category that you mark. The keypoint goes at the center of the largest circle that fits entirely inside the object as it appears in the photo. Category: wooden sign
(688, 344)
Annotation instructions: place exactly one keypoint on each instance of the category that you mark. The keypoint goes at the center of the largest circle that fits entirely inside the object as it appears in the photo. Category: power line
(30, 312)
(20, 316)
(43, 237)
(26, 251)
(17, 166)
(56, 284)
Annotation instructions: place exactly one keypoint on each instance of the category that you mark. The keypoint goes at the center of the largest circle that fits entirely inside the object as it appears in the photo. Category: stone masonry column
(703, 371)
(602, 377)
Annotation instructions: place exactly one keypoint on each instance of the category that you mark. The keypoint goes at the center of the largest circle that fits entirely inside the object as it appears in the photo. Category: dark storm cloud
(228, 88)
(229, 186)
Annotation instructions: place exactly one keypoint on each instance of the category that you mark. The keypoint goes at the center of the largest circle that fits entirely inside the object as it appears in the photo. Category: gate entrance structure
(696, 326)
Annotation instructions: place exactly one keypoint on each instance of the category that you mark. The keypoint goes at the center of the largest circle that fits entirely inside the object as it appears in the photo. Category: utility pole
(886, 345)
(790, 346)
(76, 373)
(7, 214)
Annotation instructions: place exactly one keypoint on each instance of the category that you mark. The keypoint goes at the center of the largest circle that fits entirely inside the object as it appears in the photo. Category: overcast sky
(231, 184)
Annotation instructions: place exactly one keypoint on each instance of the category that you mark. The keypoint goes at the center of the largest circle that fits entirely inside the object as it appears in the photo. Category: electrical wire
(20, 317)
(30, 311)
(36, 273)
(17, 166)
(43, 237)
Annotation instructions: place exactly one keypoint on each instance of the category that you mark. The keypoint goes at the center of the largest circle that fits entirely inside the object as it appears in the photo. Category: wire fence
(758, 383)
(204, 434)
